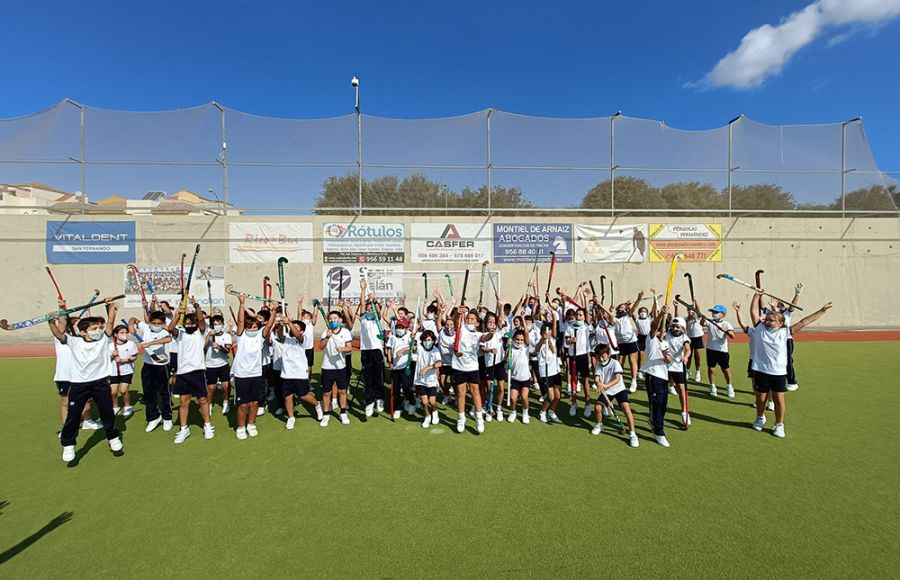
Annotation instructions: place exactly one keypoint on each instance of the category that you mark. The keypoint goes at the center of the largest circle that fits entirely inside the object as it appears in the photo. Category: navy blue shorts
(121, 379)
(298, 387)
(678, 377)
(462, 377)
(642, 342)
(627, 348)
(582, 367)
(764, 383)
(696, 342)
(718, 358)
(330, 377)
(424, 391)
(248, 389)
(173, 363)
(63, 388)
(192, 384)
(515, 385)
(621, 397)
(216, 374)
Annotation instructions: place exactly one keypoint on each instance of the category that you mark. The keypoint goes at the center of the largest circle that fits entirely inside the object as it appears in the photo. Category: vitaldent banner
(72, 242)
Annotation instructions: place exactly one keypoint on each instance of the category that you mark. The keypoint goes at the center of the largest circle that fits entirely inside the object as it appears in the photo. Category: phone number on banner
(351, 257)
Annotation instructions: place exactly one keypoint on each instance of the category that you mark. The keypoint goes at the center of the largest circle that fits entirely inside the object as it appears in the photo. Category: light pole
(355, 83)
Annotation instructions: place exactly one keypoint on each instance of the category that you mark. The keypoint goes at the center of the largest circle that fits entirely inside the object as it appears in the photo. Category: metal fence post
(612, 162)
(223, 158)
(80, 159)
(489, 163)
(730, 164)
(844, 170)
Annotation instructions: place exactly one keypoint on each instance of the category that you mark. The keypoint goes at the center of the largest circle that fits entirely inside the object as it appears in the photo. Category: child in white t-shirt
(608, 378)
(123, 353)
(428, 361)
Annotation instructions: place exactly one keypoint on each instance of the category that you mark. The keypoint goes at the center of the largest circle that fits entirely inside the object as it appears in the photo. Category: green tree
(631, 193)
(875, 197)
(760, 196)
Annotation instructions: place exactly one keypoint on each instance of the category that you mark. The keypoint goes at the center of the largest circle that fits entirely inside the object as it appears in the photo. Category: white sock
(712, 385)
(730, 386)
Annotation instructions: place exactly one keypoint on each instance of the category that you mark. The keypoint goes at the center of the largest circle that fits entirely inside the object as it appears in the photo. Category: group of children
(494, 360)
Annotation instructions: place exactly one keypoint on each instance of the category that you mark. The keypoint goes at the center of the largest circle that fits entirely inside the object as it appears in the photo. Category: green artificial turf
(383, 499)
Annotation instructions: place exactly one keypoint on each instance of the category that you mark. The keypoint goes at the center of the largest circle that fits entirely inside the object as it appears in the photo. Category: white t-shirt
(274, 352)
(643, 325)
(469, 345)
(445, 345)
(368, 334)
(429, 324)
(63, 361)
(609, 372)
(566, 327)
(191, 356)
(694, 328)
(126, 350)
(548, 361)
(601, 337)
(219, 347)
(769, 349)
(332, 358)
(90, 358)
(582, 338)
(399, 345)
(676, 349)
(654, 363)
(159, 351)
(248, 356)
(171, 346)
(293, 357)
(520, 370)
(496, 343)
(625, 330)
(309, 335)
(425, 358)
(718, 340)
(532, 337)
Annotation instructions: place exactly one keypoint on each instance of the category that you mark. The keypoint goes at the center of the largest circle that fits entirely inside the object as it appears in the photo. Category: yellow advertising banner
(698, 242)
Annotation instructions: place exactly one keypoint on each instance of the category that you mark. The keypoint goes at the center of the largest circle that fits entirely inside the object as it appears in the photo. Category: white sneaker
(554, 418)
(319, 413)
(778, 431)
(241, 433)
(686, 420)
(633, 439)
(672, 391)
(525, 418)
(573, 409)
(167, 424)
(379, 405)
(697, 377)
(587, 411)
(759, 423)
(260, 411)
(68, 453)
(345, 420)
(713, 392)
(488, 417)
(427, 422)
(793, 387)
(323, 422)
(661, 439)
(370, 409)
(251, 430)
(542, 416)
(226, 406)
(128, 411)
(434, 418)
(91, 425)
(182, 434)
(499, 414)
(209, 431)
(447, 400)
(730, 392)
(153, 424)
(396, 414)
(598, 429)
(633, 387)
(289, 424)
(115, 445)
(461, 424)
(770, 406)
(479, 423)
(279, 411)
(511, 417)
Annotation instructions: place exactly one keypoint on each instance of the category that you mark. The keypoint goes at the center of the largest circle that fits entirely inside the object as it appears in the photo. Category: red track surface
(45, 349)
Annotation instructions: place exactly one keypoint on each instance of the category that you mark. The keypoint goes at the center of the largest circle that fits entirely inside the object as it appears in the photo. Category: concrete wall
(853, 262)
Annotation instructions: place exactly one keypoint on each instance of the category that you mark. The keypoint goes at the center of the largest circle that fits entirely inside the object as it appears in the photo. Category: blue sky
(430, 59)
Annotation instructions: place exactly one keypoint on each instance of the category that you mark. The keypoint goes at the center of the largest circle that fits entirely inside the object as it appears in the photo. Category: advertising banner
(265, 242)
(611, 243)
(363, 243)
(342, 281)
(71, 242)
(521, 243)
(449, 242)
(165, 281)
(698, 242)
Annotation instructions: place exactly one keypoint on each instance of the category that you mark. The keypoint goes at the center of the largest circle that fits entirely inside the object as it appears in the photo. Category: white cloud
(764, 51)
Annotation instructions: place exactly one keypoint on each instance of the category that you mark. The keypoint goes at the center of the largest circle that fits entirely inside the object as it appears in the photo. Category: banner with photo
(611, 243)
(696, 242)
(448, 242)
(342, 282)
(265, 242)
(165, 282)
(347, 243)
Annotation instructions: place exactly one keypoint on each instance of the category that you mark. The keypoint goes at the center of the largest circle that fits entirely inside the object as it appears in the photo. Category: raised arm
(267, 331)
(737, 312)
(636, 303)
(807, 320)
(659, 320)
(755, 308)
(111, 309)
(796, 299)
(242, 313)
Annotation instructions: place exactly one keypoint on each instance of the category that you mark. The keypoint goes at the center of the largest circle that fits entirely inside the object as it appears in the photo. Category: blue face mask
(334, 324)
(369, 316)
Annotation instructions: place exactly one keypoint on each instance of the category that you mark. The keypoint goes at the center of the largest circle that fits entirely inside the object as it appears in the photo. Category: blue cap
(719, 308)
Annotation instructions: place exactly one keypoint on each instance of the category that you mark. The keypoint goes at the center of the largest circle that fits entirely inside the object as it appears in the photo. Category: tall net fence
(214, 159)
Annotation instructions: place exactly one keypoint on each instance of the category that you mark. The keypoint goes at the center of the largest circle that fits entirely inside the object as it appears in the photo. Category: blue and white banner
(523, 243)
(71, 242)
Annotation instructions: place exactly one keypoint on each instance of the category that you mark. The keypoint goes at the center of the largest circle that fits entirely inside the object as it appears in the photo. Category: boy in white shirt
(250, 342)
(680, 350)
(218, 367)
(428, 360)
(62, 375)
(656, 374)
(608, 378)
(578, 337)
(549, 375)
(190, 380)
(335, 343)
(371, 351)
(694, 330)
(294, 369)
(89, 377)
(720, 330)
(123, 353)
(465, 368)
(155, 371)
(398, 351)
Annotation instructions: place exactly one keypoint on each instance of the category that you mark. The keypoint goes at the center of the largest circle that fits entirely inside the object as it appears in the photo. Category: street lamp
(355, 83)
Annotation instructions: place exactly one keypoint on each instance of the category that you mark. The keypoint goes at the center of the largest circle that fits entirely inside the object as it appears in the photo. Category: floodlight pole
(223, 159)
(731, 168)
(844, 169)
(80, 160)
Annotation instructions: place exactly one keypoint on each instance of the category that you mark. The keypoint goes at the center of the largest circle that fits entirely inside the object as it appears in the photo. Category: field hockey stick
(53, 279)
(90, 302)
(509, 352)
(233, 317)
(341, 285)
(229, 289)
(612, 410)
(5, 325)
(209, 296)
(567, 298)
(318, 305)
(758, 277)
(612, 298)
(757, 289)
(183, 256)
(425, 279)
(450, 284)
(481, 285)
(328, 298)
(377, 321)
(496, 292)
(552, 267)
(593, 291)
(706, 318)
(690, 286)
(187, 290)
(137, 280)
(671, 280)
(602, 289)
(465, 287)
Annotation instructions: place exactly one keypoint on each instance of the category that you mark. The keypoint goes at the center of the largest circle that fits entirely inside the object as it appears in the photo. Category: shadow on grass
(14, 551)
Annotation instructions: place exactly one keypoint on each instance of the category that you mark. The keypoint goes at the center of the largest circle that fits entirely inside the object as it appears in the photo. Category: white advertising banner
(449, 242)
(347, 243)
(342, 282)
(265, 242)
(610, 243)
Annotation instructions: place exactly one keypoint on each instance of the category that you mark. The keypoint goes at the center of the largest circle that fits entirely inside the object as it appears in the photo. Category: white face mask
(218, 329)
(251, 333)
(155, 327)
(399, 332)
(95, 334)
(470, 327)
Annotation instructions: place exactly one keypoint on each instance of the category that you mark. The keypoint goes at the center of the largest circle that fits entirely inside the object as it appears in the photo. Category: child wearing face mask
(642, 322)
(445, 340)
(428, 361)
(335, 343)
(122, 356)
(519, 376)
(465, 370)
(578, 337)
(679, 347)
(155, 371)
(608, 377)
(250, 341)
(294, 370)
(190, 380)
(720, 330)
(549, 376)
(398, 351)
(495, 367)
(218, 369)
(89, 377)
